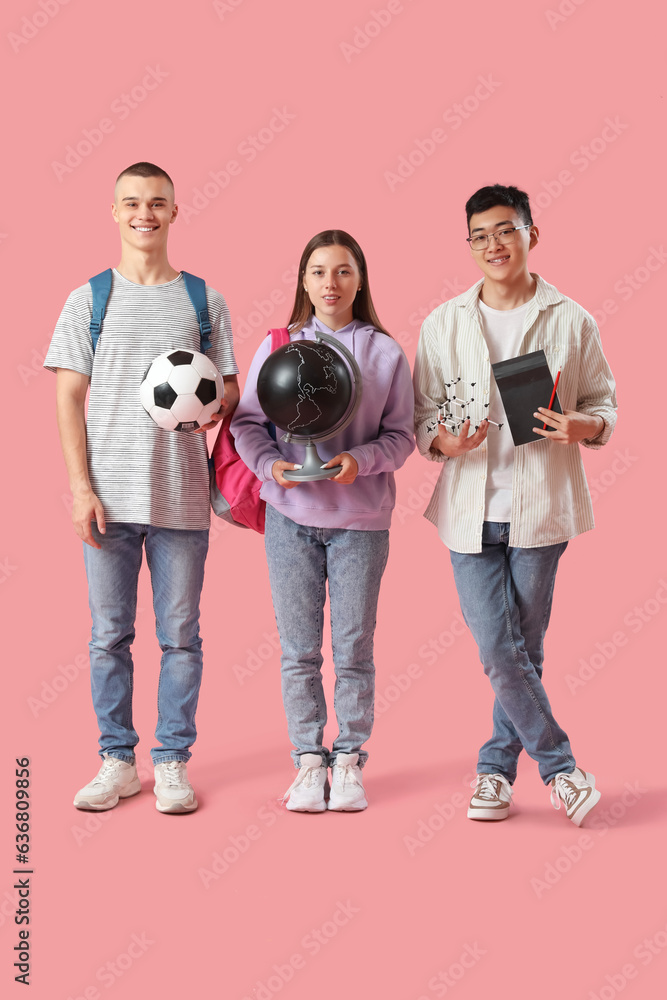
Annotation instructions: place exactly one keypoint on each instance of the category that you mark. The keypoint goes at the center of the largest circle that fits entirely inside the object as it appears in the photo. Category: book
(525, 384)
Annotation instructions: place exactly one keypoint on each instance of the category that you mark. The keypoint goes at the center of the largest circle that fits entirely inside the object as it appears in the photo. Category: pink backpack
(234, 488)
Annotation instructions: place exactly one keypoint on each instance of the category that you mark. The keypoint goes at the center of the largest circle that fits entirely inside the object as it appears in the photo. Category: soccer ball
(181, 390)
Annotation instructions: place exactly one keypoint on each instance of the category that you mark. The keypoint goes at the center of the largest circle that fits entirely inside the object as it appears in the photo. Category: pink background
(531, 907)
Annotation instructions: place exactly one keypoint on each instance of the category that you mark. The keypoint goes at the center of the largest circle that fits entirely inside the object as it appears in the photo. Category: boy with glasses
(507, 513)
(135, 485)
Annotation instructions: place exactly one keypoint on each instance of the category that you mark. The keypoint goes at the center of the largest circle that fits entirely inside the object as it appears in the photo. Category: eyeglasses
(502, 236)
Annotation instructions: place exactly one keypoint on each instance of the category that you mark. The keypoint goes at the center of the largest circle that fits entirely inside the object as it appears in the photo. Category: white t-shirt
(141, 473)
(503, 332)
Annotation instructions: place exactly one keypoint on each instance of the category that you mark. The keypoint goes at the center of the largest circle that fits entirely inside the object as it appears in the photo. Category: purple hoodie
(380, 437)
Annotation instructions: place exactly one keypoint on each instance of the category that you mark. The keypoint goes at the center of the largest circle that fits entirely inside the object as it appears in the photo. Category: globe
(311, 389)
(304, 388)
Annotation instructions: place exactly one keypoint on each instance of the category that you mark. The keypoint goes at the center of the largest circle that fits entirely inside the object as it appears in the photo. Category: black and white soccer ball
(181, 390)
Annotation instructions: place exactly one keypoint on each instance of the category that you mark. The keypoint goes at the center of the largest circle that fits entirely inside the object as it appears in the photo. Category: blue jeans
(176, 563)
(301, 559)
(506, 595)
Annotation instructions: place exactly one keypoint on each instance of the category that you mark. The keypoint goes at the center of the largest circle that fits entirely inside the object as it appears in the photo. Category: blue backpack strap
(196, 289)
(101, 286)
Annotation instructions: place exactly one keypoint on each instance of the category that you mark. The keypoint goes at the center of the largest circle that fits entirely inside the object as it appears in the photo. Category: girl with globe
(334, 529)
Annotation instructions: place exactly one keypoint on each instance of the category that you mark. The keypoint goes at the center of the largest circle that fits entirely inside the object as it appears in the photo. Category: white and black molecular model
(181, 390)
(455, 409)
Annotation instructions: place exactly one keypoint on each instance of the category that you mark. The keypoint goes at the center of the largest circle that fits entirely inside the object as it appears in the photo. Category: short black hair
(498, 194)
(144, 169)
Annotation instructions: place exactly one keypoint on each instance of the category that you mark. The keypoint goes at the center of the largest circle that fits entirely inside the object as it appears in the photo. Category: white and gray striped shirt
(141, 473)
(550, 498)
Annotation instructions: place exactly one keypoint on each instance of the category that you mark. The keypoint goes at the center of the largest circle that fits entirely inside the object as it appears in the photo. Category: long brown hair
(362, 308)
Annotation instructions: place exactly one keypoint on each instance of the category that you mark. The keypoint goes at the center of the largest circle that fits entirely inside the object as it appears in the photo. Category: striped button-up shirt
(550, 498)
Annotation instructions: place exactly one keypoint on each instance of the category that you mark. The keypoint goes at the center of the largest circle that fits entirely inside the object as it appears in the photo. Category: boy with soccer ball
(135, 485)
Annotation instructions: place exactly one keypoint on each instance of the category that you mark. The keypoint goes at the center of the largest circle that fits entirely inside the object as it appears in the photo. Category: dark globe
(304, 388)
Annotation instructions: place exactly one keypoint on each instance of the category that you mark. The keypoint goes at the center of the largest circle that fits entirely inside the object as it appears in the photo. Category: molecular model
(454, 410)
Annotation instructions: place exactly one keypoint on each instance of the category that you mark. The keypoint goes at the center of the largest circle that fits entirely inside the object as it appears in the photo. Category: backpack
(234, 487)
(195, 287)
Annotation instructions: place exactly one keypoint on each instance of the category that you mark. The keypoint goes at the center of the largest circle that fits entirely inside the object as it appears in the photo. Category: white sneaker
(115, 780)
(347, 788)
(173, 791)
(306, 793)
(577, 790)
(492, 797)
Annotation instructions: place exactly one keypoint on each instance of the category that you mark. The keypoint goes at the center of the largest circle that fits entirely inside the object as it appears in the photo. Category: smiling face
(503, 262)
(332, 280)
(144, 209)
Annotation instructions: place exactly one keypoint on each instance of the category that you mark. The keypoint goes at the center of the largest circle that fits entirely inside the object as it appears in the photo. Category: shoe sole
(488, 814)
(133, 789)
(176, 807)
(348, 806)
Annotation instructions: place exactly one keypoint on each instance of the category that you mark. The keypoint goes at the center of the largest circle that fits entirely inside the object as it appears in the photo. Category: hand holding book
(569, 427)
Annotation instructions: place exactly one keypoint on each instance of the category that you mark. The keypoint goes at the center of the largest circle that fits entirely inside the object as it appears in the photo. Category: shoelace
(345, 772)
(306, 775)
(486, 787)
(172, 773)
(562, 789)
(109, 770)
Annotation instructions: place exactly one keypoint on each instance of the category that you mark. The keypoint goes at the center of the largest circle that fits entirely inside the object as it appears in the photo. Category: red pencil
(553, 396)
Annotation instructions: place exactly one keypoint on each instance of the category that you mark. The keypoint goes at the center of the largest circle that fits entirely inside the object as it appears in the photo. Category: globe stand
(311, 471)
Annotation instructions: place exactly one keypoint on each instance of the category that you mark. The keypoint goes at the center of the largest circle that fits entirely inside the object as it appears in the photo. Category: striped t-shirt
(141, 473)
